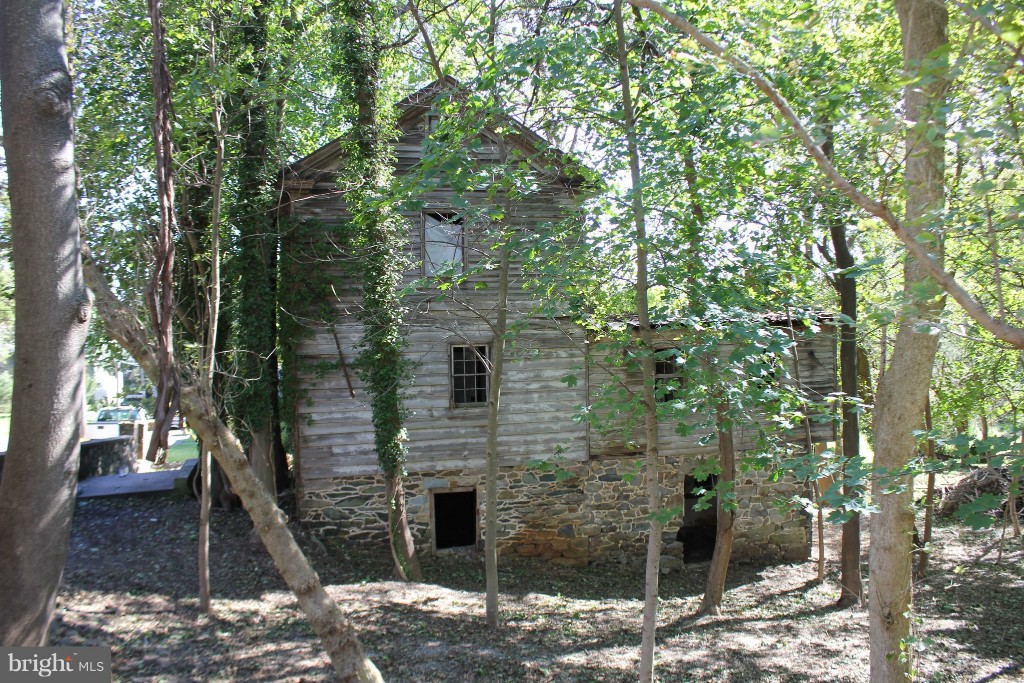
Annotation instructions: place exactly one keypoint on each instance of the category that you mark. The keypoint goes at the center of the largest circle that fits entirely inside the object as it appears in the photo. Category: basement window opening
(455, 519)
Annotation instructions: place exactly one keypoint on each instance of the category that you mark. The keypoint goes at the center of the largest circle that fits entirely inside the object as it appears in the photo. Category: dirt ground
(131, 583)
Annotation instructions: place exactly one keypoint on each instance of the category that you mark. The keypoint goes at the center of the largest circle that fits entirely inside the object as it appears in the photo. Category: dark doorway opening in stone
(455, 519)
(700, 527)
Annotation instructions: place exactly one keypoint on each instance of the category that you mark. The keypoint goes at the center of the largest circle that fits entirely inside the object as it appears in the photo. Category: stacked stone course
(581, 512)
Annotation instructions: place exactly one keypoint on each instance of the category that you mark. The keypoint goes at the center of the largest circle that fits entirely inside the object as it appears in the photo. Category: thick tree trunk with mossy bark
(381, 235)
(37, 495)
(901, 394)
(326, 619)
(254, 266)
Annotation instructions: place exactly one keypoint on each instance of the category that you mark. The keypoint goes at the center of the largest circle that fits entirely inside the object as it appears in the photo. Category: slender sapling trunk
(714, 591)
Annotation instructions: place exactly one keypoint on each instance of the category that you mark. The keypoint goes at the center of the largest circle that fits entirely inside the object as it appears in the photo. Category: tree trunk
(326, 619)
(204, 529)
(210, 343)
(403, 549)
(253, 398)
(715, 589)
(382, 365)
(37, 495)
(897, 414)
(1013, 511)
(819, 528)
(493, 405)
(929, 497)
(653, 464)
(851, 587)
(261, 458)
(159, 292)
(902, 393)
(1014, 492)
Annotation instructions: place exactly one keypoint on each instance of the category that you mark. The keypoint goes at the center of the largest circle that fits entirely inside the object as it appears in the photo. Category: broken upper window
(443, 244)
(668, 379)
(470, 375)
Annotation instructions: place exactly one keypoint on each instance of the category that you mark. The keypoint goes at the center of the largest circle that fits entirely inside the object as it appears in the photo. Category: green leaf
(666, 515)
(982, 187)
(977, 514)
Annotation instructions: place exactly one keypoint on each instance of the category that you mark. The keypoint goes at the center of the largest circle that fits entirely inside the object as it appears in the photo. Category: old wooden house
(588, 510)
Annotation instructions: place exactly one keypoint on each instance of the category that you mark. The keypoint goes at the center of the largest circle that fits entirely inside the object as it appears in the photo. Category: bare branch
(426, 39)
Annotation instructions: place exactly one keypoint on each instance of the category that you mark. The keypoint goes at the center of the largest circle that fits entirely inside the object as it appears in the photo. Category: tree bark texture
(902, 393)
(402, 545)
(715, 588)
(37, 495)
(326, 619)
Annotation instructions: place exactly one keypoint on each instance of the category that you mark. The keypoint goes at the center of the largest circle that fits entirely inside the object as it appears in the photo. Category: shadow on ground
(131, 583)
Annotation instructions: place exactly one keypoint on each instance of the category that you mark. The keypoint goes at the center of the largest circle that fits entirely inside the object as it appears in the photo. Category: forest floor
(131, 583)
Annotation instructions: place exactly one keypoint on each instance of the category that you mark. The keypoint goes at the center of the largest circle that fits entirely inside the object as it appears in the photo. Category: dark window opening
(470, 375)
(764, 370)
(668, 379)
(700, 527)
(455, 520)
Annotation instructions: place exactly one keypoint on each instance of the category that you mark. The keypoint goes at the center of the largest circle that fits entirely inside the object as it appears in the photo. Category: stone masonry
(578, 513)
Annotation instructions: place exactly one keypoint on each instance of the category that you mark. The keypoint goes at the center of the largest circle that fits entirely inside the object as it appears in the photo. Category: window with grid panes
(469, 375)
(668, 379)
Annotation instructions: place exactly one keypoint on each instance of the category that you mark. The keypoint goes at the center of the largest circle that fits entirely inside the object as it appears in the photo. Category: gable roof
(324, 163)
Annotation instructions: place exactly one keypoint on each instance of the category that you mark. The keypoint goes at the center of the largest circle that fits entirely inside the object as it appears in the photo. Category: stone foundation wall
(764, 531)
(107, 456)
(581, 512)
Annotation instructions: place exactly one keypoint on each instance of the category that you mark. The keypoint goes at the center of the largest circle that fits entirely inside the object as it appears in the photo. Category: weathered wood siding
(817, 371)
(333, 431)
(535, 420)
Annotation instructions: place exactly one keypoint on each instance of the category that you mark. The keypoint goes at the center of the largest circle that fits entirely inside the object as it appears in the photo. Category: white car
(108, 421)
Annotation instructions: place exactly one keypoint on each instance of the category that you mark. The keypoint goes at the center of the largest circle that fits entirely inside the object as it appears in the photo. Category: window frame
(486, 375)
(661, 376)
(442, 217)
